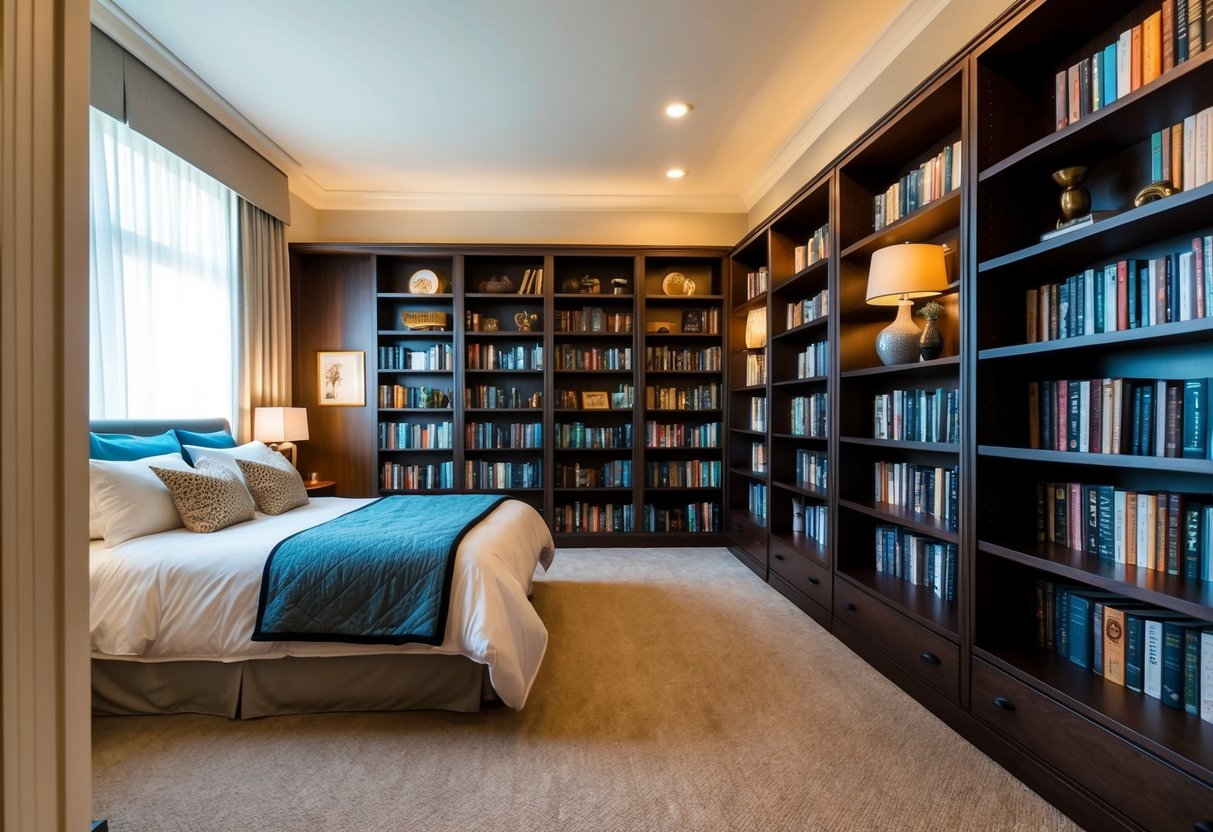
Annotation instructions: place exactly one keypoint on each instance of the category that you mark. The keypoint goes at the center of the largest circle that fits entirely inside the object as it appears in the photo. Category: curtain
(163, 300)
(265, 316)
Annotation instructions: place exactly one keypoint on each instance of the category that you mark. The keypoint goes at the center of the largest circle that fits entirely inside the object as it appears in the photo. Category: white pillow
(255, 451)
(130, 500)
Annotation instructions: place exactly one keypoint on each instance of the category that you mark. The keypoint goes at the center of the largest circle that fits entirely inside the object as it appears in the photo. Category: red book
(1062, 399)
(1061, 100)
(1122, 295)
(1198, 248)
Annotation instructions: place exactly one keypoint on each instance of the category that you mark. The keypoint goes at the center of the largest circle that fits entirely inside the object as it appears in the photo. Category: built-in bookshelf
(1092, 356)
(528, 372)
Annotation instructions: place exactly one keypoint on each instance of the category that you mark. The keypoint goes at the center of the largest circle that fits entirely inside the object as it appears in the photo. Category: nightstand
(321, 488)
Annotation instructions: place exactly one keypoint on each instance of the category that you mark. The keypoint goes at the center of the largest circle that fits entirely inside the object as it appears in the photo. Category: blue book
(1097, 282)
(1061, 621)
(1195, 418)
(1109, 74)
(1174, 636)
(1097, 646)
(1105, 521)
(1081, 625)
(1192, 668)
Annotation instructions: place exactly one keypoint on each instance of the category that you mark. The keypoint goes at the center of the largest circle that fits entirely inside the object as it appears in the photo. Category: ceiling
(469, 103)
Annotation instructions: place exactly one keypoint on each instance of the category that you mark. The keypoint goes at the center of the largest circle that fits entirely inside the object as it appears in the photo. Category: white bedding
(178, 595)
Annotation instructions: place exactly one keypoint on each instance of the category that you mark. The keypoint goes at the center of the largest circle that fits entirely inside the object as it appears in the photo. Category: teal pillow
(123, 447)
(218, 439)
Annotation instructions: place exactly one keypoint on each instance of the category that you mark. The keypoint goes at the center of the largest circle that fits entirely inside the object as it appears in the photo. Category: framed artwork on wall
(342, 378)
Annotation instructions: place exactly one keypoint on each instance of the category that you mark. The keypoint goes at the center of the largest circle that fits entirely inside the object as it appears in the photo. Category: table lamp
(756, 328)
(898, 275)
(280, 428)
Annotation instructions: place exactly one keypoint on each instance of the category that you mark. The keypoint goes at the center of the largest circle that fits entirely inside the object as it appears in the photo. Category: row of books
(569, 357)
(923, 489)
(1180, 154)
(482, 473)
(492, 435)
(1164, 532)
(616, 473)
(592, 319)
(758, 413)
(699, 397)
(532, 282)
(1151, 651)
(398, 396)
(755, 369)
(709, 322)
(810, 415)
(685, 473)
(817, 248)
(682, 359)
(814, 360)
(1162, 41)
(932, 180)
(1127, 294)
(679, 435)
(758, 457)
(917, 415)
(486, 396)
(811, 519)
(494, 357)
(394, 436)
(917, 559)
(401, 357)
(757, 283)
(812, 469)
(589, 517)
(1139, 417)
(757, 502)
(692, 517)
(576, 435)
(397, 477)
(809, 309)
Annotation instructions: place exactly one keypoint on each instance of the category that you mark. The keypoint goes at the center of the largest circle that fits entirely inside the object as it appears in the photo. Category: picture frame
(692, 320)
(341, 378)
(594, 400)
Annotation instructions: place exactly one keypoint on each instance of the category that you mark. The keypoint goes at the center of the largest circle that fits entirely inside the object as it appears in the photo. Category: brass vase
(1075, 200)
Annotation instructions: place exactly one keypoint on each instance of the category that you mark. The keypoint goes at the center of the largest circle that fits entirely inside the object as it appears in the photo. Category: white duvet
(178, 595)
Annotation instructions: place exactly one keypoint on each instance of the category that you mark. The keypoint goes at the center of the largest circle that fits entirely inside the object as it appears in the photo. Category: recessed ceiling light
(675, 173)
(677, 109)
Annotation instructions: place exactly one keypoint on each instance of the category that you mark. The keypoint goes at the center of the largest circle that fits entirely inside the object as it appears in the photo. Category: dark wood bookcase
(565, 360)
(979, 660)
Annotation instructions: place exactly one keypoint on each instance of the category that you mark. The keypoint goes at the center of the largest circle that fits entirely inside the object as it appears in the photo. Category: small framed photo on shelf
(595, 400)
(342, 378)
(692, 321)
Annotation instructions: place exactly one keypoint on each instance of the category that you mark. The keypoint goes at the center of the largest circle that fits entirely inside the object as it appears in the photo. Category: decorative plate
(423, 282)
(672, 285)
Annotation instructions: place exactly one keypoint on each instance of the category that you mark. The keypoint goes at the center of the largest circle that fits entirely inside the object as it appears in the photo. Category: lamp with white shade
(898, 275)
(280, 428)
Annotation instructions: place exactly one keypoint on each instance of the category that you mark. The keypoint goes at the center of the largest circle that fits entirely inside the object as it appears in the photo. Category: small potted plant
(930, 343)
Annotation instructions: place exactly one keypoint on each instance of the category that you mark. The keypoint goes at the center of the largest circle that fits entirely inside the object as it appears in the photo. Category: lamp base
(898, 342)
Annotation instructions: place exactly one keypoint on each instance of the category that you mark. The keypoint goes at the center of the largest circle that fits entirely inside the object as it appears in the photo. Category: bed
(172, 615)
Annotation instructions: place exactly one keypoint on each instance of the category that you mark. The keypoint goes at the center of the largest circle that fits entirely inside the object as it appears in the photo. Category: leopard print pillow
(275, 484)
(208, 498)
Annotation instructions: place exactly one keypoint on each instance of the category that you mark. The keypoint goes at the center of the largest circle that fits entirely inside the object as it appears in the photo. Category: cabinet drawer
(805, 574)
(750, 537)
(925, 653)
(1149, 791)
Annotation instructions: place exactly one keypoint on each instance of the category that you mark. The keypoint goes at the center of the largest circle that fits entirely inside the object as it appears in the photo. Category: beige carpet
(679, 692)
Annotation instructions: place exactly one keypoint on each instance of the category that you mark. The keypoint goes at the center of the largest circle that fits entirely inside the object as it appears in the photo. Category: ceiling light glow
(675, 173)
(677, 109)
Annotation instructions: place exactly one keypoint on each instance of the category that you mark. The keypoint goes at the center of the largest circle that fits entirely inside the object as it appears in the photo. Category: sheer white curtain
(164, 293)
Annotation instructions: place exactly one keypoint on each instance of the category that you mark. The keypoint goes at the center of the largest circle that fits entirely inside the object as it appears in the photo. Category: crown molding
(896, 38)
(396, 201)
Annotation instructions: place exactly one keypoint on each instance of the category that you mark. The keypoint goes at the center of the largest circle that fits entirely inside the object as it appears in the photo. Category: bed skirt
(290, 685)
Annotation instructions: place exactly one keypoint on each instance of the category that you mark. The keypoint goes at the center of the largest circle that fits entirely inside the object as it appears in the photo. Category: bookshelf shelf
(1177, 333)
(804, 491)
(411, 296)
(753, 475)
(759, 301)
(905, 445)
(923, 523)
(928, 221)
(683, 299)
(511, 335)
(812, 327)
(796, 382)
(799, 283)
(1170, 465)
(903, 369)
(799, 437)
(430, 335)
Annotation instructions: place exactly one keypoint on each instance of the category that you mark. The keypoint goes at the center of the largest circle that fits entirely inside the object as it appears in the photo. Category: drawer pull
(1203, 826)
(814, 581)
(778, 557)
(930, 658)
(849, 606)
(1003, 704)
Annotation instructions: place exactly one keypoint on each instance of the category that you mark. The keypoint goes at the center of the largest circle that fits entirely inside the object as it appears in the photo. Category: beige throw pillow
(208, 498)
(275, 484)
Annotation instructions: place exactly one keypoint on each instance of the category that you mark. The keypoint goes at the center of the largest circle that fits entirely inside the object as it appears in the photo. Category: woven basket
(424, 320)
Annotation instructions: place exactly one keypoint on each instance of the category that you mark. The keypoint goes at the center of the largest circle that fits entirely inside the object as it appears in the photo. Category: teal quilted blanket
(378, 575)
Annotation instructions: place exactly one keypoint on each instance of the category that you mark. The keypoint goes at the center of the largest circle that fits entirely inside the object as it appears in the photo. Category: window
(163, 302)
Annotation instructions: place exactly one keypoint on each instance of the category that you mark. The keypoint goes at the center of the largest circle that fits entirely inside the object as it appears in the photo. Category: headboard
(154, 427)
